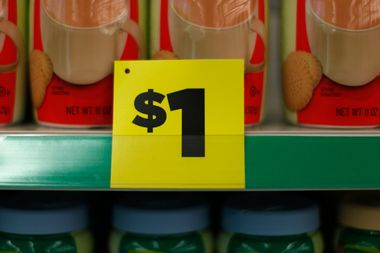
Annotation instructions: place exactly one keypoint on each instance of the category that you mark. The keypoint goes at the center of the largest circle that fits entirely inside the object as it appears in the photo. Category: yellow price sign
(178, 124)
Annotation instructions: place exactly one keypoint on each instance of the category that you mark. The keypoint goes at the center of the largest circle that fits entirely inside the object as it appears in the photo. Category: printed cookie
(41, 72)
(308, 64)
(302, 72)
(298, 93)
(165, 55)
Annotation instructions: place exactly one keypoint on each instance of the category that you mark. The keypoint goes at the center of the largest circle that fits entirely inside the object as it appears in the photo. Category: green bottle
(360, 225)
(270, 224)
(161, 227)
(45, 230)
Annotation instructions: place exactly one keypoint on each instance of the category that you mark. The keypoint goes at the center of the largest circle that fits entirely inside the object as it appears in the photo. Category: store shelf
(283, 157)
(277, 157)
(32, 157)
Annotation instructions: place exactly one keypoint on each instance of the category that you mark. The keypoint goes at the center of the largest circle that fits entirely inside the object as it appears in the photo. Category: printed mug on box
(75, 43)
(226, 29)
(331, 64)
(347, 49)
(216, 35)
(83, 50)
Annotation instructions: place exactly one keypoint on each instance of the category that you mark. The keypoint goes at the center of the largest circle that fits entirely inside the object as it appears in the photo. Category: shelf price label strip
(178, 125)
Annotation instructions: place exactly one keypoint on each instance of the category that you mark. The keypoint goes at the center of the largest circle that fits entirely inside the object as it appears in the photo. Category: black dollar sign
(144, 103)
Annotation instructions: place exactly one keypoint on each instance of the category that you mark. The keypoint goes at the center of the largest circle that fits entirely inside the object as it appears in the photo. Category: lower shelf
(277, 157)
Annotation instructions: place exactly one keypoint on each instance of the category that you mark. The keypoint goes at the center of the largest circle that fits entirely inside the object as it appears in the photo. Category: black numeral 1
(192, 104)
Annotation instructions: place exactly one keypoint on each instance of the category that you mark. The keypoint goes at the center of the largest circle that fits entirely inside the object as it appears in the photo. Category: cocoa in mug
(226, 29)
(331, 62)
(74, 45)
(344, 36)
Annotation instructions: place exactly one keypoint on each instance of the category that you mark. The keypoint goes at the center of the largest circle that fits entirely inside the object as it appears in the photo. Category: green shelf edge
(273, 162)
(313, 162)
(55, 162)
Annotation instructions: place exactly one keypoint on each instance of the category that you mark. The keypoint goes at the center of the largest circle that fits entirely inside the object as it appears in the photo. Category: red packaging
(12, 61)
(343, 36)
(73, 47)
(227, 29)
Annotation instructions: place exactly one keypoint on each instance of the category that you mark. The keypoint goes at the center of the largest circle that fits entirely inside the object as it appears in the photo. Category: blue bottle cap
(270, 215)
(160, 217)
(43, 221)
